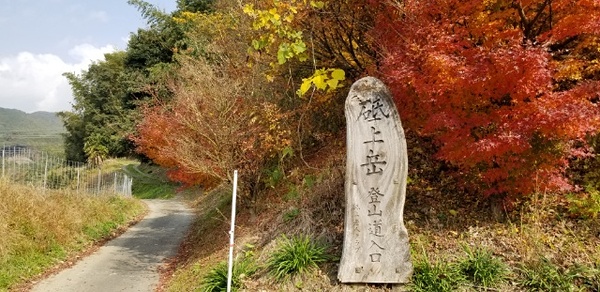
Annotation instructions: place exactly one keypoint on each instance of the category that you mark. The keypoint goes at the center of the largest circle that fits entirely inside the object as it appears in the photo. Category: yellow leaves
(186, 17)
(338, 74)
(570, 70)
(304, 87)
(276, 24)
(323, 79)
(248, 9)
(317, 4)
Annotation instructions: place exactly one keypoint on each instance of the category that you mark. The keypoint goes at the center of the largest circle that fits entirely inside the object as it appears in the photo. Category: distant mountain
(40, 130)
(12, 120)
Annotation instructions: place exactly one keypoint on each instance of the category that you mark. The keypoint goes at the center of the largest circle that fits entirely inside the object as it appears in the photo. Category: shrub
(482, 268)
(295, 255)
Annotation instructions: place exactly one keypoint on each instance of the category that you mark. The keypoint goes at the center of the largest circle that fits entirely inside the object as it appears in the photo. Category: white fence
(26, 166)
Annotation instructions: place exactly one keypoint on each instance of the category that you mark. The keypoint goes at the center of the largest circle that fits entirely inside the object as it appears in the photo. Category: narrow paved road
(129, 262)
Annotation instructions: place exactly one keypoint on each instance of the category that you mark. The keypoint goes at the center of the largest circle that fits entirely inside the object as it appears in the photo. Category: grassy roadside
(40, 230)
(150, 182)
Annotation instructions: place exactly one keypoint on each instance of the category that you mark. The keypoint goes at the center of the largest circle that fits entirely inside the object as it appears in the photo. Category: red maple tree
(479, 77)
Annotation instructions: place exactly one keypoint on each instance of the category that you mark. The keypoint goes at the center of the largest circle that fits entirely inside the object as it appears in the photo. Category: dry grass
(39, 229)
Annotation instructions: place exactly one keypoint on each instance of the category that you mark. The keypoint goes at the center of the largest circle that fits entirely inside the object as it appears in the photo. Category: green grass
(295, 255)
(477, 268)
(544, 275)
(482, 268)
(291, 214)
(435, 276)
(146, 190)
(28, 261)
(150, 182)
(216, 279)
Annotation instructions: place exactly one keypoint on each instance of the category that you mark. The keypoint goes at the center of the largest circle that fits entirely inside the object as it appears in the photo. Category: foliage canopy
(506, 90)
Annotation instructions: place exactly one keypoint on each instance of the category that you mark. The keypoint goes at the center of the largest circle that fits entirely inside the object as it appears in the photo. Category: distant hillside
(40, 130)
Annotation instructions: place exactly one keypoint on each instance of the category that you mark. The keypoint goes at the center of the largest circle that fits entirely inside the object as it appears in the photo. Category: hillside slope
(40, 130)
(458, 242)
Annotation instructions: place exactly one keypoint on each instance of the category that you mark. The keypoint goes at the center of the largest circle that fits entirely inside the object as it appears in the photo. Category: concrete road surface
(129, 262)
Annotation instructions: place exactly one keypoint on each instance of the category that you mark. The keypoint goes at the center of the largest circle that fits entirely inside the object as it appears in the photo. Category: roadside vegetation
(41, 230)
(458, 243)
(498, 99)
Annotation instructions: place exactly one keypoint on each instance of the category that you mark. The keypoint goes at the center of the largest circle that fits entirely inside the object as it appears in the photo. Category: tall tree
(109, 93)
(195, 5)
(101, 119)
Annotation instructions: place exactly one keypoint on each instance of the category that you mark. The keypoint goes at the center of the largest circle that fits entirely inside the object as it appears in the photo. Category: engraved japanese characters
(376, 248)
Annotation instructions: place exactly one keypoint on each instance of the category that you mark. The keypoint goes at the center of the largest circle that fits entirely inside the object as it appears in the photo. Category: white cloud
(87, 53)
(34, 82)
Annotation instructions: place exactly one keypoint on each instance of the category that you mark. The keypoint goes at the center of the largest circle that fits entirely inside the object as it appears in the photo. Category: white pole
(46, 173)
(3, 148)
(99, 179)
(231, 232)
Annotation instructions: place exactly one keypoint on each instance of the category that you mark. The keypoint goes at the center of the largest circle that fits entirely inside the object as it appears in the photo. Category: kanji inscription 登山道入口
(376, 248)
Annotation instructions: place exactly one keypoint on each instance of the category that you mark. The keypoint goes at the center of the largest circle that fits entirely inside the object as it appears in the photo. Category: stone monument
(376, 248)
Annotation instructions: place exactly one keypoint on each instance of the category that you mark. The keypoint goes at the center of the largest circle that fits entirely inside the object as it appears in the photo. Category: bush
(295, 256)
(216, 279)
(482, 268)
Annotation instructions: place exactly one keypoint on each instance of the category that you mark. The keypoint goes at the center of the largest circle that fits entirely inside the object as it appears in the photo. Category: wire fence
(38, 169)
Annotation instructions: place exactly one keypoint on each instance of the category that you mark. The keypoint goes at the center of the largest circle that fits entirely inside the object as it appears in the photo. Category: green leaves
(102, 117)
(284, 53)
(216, 278)
(482, 268)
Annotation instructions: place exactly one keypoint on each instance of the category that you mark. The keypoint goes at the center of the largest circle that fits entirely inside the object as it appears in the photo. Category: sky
(42, 39)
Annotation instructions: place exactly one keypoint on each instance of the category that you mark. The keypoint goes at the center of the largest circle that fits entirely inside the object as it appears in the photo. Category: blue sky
(41, 39)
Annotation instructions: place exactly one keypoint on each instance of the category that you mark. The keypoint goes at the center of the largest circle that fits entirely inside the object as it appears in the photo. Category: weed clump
(216, 279)
(478, 268)
(439, 276)
(482, 268)
(295, 255)
(543, 275)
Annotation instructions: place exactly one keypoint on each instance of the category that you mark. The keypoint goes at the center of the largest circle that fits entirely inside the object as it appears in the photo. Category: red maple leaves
(478, 77)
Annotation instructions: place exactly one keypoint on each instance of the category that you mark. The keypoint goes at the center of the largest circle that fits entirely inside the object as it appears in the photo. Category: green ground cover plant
(216, 279)
(435, 276)
(295, 255)
(481, 267)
